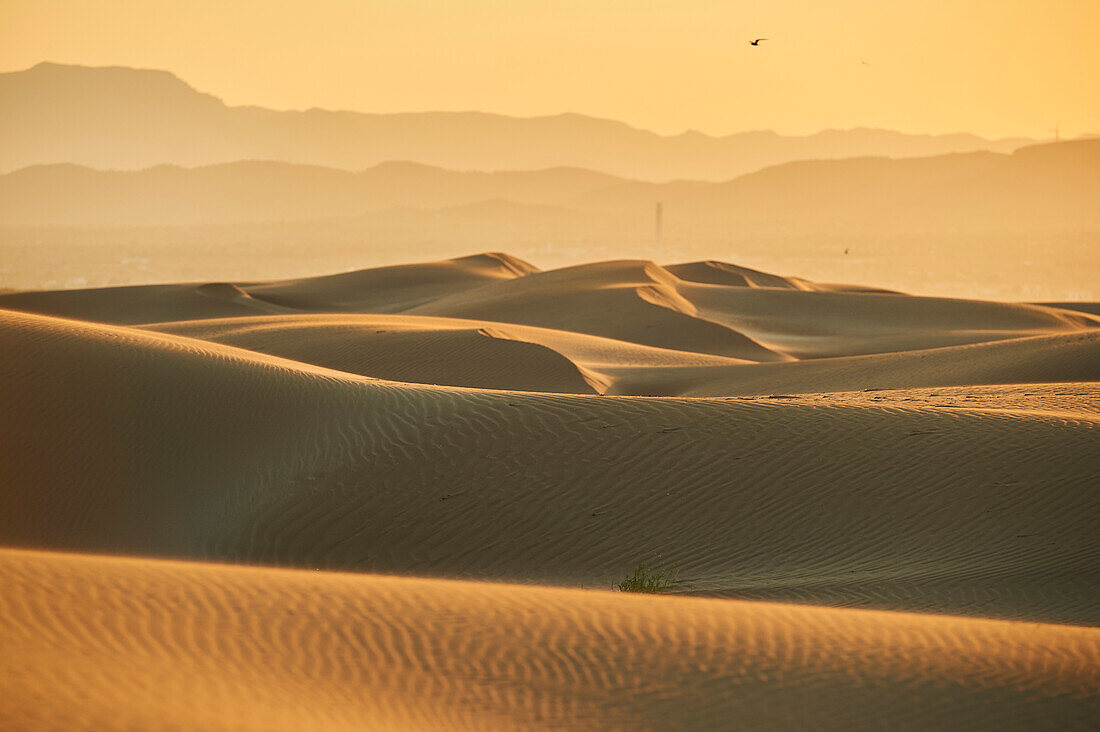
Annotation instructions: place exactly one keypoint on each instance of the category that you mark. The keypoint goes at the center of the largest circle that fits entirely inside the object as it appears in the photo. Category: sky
(997, 68)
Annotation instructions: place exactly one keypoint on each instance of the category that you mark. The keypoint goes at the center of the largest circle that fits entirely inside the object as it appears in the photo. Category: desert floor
(400, 498)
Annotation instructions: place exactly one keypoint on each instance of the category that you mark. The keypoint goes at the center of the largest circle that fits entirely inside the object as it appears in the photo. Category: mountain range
(126, 119)
(1050, 187)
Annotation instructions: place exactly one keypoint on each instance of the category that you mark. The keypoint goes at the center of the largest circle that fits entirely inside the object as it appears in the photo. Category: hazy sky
(994, 67)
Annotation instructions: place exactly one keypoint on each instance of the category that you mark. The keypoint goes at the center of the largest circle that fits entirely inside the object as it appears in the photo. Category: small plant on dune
(649, 576)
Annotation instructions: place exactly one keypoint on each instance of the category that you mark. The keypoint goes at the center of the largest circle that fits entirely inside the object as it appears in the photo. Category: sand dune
(378, 290)
(393, 289)
(825, 324)
(210, 647)
(484, 354)
(730, 275)
(622, 327)
(632, 301)
(859, 454)
(226, 453)
(442, 351)
(1068, 357)
(149, 303)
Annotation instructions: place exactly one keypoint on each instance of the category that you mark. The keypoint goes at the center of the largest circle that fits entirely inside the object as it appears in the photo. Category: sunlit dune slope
(484, 354)
(161, 444)
(446, 351)
(385, 289)
(392, 289)
(1066, 357)
(211, 647)
(702, 308)
(142, 303)
(623, 328)
(631, 301)
(438, 351)
(828, 324)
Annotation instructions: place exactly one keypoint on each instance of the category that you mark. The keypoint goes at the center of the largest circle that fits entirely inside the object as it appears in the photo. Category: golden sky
(993, 67)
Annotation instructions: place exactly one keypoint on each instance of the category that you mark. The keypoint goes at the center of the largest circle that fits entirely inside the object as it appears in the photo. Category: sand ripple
(210, 647)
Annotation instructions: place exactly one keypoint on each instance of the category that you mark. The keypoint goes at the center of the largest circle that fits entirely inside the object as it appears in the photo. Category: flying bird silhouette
(757, 41)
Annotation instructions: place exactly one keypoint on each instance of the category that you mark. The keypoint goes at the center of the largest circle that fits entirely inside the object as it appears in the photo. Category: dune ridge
(622, 327)
(259, 459)
(207, 646)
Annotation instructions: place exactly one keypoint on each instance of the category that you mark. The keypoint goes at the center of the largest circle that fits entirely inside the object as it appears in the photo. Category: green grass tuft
(649, 576)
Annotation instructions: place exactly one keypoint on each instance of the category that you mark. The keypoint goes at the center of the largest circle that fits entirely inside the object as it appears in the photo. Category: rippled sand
(476, 419)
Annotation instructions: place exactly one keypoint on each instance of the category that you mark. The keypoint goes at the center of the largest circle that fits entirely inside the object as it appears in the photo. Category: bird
(757, 41)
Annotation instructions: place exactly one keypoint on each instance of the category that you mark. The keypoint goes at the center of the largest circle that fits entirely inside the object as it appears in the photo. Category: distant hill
(1052, 187)
(250, 192)
(128, 119)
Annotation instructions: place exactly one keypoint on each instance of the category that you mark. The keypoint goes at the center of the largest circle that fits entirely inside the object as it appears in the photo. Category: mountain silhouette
(129, 119)
(1044, 187)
